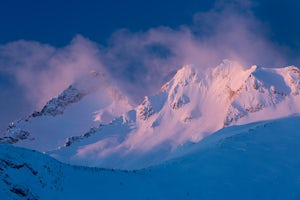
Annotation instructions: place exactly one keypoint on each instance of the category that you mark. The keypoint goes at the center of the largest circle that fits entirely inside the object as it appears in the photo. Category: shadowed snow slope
(189, 107)
(253, 161)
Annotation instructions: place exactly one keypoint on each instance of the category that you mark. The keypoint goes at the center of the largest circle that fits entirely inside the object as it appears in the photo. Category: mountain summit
(89, 102)
(193, 104)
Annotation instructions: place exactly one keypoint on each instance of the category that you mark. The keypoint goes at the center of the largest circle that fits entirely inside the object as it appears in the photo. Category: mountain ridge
(192, 105)
(88, 102)
(183, 112)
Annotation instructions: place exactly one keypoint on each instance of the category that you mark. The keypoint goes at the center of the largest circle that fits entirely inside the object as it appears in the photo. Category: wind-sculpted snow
(253, 161)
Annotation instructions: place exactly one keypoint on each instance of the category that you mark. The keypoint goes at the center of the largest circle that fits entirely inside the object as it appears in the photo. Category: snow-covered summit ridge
(91, 100)
(193, 104)
(57, 105)
(245, 91)
(272, 91)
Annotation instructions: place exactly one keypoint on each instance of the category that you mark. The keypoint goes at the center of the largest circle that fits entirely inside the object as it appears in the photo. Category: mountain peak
(228, 67)
(91, 100)
(195, 103)
(184, 75)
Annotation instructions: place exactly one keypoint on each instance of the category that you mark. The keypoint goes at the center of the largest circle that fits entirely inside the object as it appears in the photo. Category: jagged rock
(57, 105)
(181, 101)
(145, 110)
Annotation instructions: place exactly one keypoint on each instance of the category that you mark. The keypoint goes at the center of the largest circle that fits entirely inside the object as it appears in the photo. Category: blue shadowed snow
(254, 161)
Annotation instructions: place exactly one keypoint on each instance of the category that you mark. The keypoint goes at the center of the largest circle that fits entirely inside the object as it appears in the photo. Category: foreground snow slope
(88, 102)
(192, 105)
(253, 161)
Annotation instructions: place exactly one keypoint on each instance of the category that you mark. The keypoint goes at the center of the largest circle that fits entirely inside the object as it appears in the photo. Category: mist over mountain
(206, 122)
(140, 60)
(149, 100)
(192, 105)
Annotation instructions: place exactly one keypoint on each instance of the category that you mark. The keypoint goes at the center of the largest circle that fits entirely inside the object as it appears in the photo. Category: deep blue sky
(56, 22)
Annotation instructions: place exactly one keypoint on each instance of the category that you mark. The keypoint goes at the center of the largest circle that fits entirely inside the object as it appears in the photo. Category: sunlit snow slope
(253, 161)
(195, 103)
(189, 107)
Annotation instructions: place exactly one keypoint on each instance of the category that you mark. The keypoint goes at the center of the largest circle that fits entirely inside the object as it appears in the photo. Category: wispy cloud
(145, 60)
(44, 71)
(141, 62)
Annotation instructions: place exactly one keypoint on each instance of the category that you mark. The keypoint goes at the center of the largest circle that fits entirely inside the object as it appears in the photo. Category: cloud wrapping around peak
(229, 30)
(141, 62)
(44, 71)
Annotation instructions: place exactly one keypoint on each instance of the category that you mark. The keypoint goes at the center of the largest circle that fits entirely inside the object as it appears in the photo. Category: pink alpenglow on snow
(191, 106)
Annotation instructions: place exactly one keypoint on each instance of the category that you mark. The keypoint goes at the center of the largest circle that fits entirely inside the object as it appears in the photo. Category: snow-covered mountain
(192, 105)
(189, 107)
(89, 102)
(253, 161)
(224, 132)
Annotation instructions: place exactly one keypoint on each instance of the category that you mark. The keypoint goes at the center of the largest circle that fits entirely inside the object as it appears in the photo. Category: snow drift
(253, 161)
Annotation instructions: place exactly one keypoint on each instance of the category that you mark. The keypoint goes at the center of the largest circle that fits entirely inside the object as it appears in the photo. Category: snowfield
(254, 161)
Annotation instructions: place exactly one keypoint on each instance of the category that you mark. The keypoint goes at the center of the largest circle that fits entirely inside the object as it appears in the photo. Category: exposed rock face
(57, 105)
